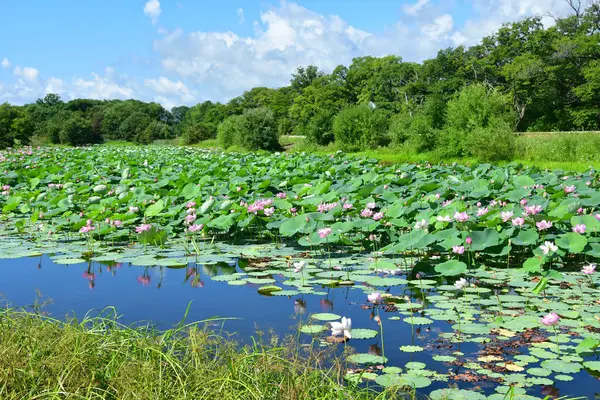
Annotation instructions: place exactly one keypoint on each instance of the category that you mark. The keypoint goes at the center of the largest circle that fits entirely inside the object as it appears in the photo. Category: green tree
(77, 131)
(360, 127)
(15, 126)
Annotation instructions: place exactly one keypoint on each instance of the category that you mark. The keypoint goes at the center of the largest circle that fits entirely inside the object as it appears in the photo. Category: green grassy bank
(98, 358)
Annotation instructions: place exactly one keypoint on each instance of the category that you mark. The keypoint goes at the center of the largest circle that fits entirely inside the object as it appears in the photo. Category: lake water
(161, 295)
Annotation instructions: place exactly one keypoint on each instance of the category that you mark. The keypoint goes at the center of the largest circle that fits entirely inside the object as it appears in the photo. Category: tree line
(524, 77)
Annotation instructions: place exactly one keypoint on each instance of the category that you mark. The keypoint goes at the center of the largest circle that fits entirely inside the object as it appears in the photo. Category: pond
(482, 277)
(426, 344)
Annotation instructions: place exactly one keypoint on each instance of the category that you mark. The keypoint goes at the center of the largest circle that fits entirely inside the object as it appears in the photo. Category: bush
(319, 130)
(198, 132)
(285, 126)
(229, 131)
(359, 127)
(259, 130)
(495, 142)
(474, 108)
(77, 131)
(421, 136)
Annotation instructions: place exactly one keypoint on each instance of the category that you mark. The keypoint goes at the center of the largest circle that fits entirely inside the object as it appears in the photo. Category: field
(455, 277)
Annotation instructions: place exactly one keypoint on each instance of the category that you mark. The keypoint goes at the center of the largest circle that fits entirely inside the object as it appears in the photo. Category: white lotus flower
(461, 284)
(422, 224)
(298, 266)
(548, 247)
(344, 327)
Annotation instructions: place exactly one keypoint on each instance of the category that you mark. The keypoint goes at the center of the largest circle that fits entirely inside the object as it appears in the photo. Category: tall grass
(560, 147)
(99, 358)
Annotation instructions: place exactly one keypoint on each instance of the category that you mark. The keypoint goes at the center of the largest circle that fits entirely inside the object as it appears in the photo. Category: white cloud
(152, 9)
(166, 86)
(240, 14)
(107, 86)
(439, 29)
(5, 63)
(28, 73)
(414, 8)
(55, 85)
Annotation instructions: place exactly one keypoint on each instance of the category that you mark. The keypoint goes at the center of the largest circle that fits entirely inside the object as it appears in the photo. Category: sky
(187, 51)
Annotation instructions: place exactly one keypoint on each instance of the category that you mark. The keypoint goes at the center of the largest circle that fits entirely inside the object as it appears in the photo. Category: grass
(99, 358)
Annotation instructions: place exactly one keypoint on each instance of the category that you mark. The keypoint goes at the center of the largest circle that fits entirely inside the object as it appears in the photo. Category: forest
(523, 78)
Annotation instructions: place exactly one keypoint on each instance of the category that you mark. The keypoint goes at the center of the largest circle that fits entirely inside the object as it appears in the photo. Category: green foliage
(475, 109)
(259, 130)
(495, 142)
(15, 126)
(77, 131)
(319, 130)
(229, 132)
(198, 132)
(358, 127)
(180, 363)
(416, 131)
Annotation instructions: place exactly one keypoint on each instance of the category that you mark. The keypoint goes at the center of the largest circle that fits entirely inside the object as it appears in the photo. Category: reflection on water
(161, 295)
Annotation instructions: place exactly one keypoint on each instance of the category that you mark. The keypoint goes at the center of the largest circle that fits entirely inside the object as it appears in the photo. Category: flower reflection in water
(299, 306)
(326, 304)
(144, 279)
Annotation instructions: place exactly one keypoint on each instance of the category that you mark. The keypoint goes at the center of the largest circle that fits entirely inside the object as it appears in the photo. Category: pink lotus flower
(323, 233)
(293, 210)
(134, 209)
(518, 222)
(347, 206)
(371, 205)
(195, 228)
(378, 216)
(458, 249)
(482, 211)
(580, 210)
(533, 210)
(523, 202)
(117, 223)
(579, 228)
(589, 269)
(190, 204)
(469, 240)
(461, 216)
(569, 189)
(143, 228)
(190, 218)
(597, 216)
(281, 195)
(506, 215)
(374, 298)
(543, 225)
(269, 211)
(550, 319)
(366, 213)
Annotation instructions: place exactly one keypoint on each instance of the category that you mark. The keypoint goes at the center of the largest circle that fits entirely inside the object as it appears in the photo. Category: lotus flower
(366, 213)
(506, 215)
(482, 211)
(371, 205)
(543, 225)
(461, 284)
(375, 297)
(378, 216)
(195, 228)
(323, 233)
(191, 204)
(569, 189)
(281, 195)
(458, 249)
(445, 218)
(269, 211)
(134, 209)
(469, 240)
(461, 216)
(347, 206)
(589, 269)
(550, 319)
(422, 224)
(143, 228)
(579, 228)
(298, 266)
(518, 222)
(344, 327)
(548, 247)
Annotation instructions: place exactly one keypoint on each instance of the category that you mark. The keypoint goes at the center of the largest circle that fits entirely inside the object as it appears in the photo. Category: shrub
(319, 130)
(198, 132)
(259, 130)
(473, 108)
(495, 142)
(77, 131)
(421, 136)
(229, 131)
(285, 126)
(359, 127)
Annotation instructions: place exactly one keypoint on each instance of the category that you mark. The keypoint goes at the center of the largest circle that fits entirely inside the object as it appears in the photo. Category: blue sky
(183, 52)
